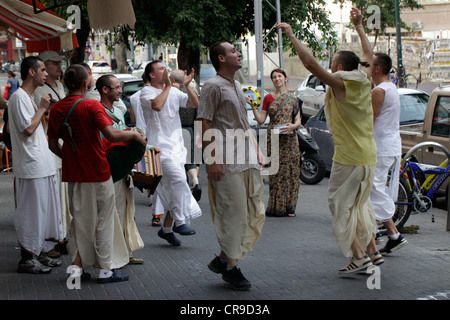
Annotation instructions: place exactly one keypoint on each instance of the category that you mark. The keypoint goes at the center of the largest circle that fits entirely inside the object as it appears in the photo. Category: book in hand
(147, 172)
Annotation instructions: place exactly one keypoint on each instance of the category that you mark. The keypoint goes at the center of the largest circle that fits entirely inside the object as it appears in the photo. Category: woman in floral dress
(282, 108)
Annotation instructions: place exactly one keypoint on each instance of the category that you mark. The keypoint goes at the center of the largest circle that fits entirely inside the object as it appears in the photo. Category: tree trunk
(77, 55)
(189, 58)
(120, 50)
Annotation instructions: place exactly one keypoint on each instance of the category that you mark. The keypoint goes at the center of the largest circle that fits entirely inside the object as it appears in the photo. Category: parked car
(207, 71)
(312, 92)
(129, 87)
(122, 77)
(99, 68)
(434, 128)
(413, 106)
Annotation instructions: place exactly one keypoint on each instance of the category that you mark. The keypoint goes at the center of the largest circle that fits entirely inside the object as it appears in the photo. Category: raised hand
(356, 17)
(188, 78)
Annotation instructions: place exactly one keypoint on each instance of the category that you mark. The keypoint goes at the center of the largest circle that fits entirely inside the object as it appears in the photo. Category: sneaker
(393, 245)
(47, 261)
(170, 237)
(376, 258)
(184, 230)
(115, 277)
(235, 279)
(217, 265)
(33, 266)
(356, 265)
(379, 238)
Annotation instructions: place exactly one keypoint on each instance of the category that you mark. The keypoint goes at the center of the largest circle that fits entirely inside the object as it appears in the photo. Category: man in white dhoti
(386, 113)
(55, 89)
(137, 114)
(38, 212)
(95, 237)
(160, 103)
(109, 88)
(348, 109)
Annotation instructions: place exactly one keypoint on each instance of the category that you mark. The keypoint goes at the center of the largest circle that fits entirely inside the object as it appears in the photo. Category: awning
(42, 31)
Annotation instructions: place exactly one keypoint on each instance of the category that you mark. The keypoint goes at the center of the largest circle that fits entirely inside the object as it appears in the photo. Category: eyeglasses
(118, 88)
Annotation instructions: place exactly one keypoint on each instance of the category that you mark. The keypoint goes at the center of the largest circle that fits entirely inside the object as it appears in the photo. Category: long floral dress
(284, 185)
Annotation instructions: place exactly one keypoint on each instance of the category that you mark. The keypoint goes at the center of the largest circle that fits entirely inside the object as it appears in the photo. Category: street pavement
(296, 259)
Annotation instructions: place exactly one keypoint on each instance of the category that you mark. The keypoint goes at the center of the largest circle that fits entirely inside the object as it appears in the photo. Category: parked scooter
(312, 166)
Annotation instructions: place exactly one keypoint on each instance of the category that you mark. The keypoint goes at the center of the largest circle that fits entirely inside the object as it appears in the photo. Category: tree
(387, 13)
(195, 25)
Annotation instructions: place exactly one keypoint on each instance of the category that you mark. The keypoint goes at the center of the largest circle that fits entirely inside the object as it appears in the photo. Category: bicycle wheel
(410, 77)
(402, 83)
(403, 206)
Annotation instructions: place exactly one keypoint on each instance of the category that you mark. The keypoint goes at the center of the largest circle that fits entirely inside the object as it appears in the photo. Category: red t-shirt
(88, 163)
(267, 101)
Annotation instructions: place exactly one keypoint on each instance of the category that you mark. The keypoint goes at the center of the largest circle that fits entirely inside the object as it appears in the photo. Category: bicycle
(414, 196)
(402, 81)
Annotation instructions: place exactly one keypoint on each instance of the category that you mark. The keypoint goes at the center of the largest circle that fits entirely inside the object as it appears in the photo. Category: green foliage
(201, 23)
(387, 10)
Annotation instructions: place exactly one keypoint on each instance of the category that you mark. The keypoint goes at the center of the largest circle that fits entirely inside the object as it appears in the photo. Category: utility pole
(400, 68)
(259, 48)
(259, 42)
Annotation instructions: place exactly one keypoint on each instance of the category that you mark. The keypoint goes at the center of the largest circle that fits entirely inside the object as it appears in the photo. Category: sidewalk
(295, 259)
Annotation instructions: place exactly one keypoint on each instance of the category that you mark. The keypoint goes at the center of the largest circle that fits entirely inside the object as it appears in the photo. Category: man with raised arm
(348, 109)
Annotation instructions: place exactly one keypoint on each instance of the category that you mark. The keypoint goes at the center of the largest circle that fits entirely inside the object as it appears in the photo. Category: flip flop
(156, 222)
(134, 260)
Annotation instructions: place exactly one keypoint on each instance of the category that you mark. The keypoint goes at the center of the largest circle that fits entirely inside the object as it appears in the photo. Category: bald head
(177, 76)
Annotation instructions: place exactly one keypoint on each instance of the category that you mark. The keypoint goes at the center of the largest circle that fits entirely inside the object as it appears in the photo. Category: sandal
(134, 260)
(156, 221)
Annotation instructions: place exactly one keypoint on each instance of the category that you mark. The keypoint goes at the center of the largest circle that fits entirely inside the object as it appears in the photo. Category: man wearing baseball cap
(55, 89)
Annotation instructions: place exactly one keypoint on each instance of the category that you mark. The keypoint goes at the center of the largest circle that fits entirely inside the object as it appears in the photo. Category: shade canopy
(42, 31)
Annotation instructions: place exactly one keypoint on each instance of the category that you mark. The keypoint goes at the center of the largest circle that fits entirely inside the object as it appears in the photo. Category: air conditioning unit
(417, 25)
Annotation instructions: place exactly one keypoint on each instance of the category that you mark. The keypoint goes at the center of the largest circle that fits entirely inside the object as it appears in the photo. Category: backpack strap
(65, 125)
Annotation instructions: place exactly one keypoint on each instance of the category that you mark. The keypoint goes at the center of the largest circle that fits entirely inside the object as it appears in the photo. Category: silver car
(312, 92)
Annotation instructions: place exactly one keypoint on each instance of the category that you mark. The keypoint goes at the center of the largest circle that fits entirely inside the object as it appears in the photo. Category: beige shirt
(57, 93)
(223, 103)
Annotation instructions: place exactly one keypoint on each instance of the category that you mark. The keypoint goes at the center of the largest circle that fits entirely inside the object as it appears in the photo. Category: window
(413, 107)
(441, 117)
(311, 82)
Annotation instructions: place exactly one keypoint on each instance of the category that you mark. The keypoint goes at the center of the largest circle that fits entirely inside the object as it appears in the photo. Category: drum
(147, 172)
(122, 156)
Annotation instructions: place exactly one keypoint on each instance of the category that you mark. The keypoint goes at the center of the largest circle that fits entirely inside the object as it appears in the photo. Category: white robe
(38, 217)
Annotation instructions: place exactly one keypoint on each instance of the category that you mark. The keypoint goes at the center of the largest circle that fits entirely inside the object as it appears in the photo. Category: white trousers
(173, 193)
(125, 210)
(383, 196)
(38, 214)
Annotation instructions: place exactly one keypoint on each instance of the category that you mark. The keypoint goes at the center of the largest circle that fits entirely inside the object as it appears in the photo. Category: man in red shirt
(94, 227)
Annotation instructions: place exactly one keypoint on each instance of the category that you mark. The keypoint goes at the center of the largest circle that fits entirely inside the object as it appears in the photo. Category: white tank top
(387, 123)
